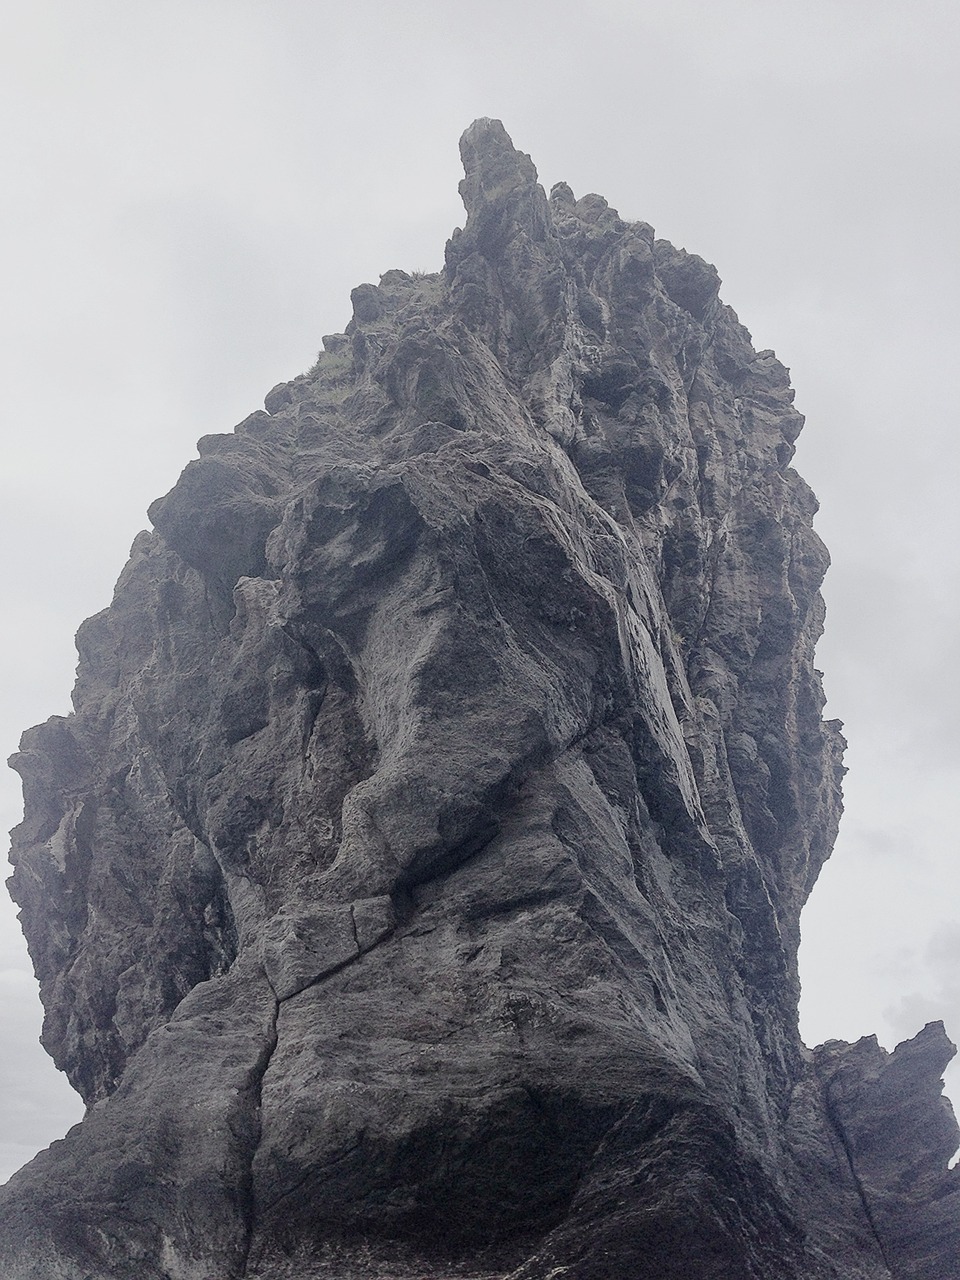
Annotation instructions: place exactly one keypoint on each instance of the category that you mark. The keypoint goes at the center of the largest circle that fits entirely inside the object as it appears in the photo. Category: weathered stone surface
(415, 889)
(898, 1133)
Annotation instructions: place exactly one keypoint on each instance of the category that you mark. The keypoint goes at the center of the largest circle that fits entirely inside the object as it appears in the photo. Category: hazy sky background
(190, 189)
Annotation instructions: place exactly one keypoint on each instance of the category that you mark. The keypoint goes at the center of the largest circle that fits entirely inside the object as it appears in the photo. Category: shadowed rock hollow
(415, 889)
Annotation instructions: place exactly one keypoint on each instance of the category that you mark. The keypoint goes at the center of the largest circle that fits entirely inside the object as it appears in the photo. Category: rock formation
(415, 889)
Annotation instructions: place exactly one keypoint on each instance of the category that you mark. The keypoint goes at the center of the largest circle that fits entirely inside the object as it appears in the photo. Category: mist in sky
(192, 189)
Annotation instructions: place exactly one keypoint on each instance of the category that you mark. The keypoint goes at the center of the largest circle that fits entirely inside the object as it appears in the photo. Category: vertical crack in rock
(843, 1139)
(415, 887)
(246, 1190)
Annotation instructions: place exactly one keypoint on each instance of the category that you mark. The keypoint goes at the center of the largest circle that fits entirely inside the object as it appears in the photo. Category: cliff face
(415, 889)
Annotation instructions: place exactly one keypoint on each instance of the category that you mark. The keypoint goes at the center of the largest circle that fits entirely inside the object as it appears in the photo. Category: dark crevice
(501, 801)
(839, 1130)
(455, 857)
(321, 977)
(319, 670)
(520, 902)
(338, 968)
(246, 1192)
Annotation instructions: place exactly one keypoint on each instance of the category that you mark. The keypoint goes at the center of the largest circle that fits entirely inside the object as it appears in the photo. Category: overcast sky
(190, 189)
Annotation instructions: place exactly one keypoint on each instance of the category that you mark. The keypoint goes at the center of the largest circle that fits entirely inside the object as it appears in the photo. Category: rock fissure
(837, 1127)
(247, 1197)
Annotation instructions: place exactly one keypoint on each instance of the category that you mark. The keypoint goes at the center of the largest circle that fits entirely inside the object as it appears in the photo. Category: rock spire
(415, 888)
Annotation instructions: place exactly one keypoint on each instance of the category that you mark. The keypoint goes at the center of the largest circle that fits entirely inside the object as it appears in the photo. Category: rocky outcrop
(415, 889)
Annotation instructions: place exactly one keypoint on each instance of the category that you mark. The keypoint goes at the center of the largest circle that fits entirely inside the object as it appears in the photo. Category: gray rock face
(415, 889)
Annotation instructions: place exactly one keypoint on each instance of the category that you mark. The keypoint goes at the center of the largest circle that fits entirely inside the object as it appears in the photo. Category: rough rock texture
(415, 889)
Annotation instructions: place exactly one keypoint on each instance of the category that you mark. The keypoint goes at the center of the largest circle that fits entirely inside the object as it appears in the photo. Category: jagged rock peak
(499, 189)
(493, 167)
(415, 889)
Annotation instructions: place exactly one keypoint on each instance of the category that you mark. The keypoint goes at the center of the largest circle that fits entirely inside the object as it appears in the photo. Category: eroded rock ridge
(415, 889)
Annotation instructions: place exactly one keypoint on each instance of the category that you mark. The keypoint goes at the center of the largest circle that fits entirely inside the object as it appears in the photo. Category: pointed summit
(492, 165)
(499, 189)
